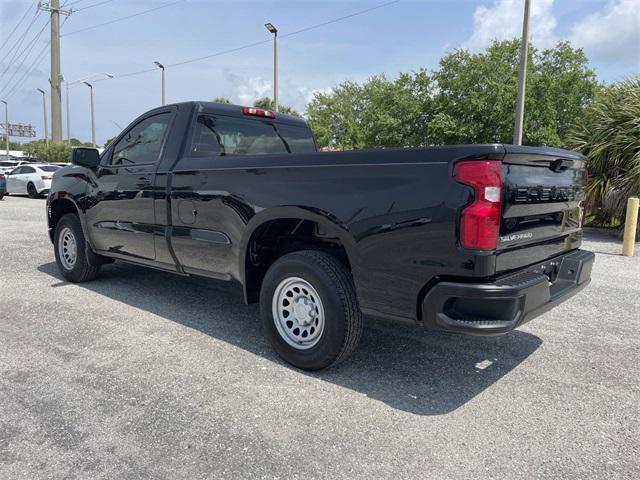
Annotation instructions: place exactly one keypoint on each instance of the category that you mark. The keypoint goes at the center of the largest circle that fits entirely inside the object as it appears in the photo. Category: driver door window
(143, 143)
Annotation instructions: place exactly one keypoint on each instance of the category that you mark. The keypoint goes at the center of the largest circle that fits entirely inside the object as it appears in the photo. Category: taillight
(258, 112)
(46, 177)
(480, 220)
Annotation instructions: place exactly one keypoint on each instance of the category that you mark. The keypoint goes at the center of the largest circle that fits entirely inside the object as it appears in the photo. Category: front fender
(70, 187)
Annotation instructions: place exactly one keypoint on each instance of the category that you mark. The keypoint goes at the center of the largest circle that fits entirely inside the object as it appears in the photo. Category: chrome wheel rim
(298, 313)
(67, 248)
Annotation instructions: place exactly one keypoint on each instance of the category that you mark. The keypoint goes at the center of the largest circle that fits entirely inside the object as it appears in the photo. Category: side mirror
(85, 157)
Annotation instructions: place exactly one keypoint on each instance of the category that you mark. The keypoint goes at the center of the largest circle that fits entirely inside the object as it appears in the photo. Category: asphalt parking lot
(142, 374)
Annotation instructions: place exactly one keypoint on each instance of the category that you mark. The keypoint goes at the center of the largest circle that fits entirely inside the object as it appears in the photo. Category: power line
(28, 50)
(223, 52)
(91, 27)
(254, 44)
(335, 20)
(35, 64)
(16, 46)
(91, 6)
(18, 24)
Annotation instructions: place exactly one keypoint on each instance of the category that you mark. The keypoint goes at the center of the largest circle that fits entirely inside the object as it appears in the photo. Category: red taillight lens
(46, 177)
(258, 112)
(480, 221)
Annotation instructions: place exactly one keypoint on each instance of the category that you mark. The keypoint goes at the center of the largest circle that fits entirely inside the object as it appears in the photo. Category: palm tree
(609, 136)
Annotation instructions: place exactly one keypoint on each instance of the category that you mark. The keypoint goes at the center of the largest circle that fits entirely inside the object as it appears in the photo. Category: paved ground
(141, 374)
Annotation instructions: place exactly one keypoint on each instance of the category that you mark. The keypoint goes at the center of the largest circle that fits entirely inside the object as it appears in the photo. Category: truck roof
(232, 110)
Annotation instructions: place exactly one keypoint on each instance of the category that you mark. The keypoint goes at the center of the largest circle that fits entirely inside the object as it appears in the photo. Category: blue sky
(401, 36)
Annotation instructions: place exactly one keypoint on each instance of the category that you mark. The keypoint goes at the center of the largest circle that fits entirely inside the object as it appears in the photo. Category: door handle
(143, 182)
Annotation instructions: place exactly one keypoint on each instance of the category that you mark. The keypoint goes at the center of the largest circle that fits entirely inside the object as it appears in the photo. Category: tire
(1, 196)
(318, 283)
(32, 191)
(85, 265)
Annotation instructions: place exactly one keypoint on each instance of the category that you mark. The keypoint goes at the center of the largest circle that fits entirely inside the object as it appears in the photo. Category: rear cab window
(219, 135)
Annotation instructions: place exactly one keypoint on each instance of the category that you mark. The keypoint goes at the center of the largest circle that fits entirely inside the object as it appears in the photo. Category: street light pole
(6, 124)
(93, 117)
(68, 117)
(522, 76)
(78, 82)
(274, 30)
(161, 67)
(44, 110)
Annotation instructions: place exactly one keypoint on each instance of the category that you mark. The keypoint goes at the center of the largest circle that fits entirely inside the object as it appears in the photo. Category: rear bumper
(509, 301)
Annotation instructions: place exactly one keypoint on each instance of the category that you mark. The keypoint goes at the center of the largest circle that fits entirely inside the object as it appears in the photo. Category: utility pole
(56, 95)
(522, 76)
(6, 124)
(44, 110)
(274, 30)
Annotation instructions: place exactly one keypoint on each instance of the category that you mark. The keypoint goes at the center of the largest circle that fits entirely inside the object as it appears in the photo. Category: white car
(8, 165)
(33, 179)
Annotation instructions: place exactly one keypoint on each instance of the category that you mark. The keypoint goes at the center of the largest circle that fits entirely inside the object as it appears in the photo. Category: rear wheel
(32, 190)
(309, 310)
(76, 261)
(1, 196)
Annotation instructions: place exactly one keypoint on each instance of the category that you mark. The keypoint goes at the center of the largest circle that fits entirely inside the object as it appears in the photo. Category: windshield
(49, 168)
(219, 135)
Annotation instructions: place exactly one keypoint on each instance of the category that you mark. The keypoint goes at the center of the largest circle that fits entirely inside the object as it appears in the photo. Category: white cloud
(252, 89)
(611, 35)
(294, 94)
(503, 20)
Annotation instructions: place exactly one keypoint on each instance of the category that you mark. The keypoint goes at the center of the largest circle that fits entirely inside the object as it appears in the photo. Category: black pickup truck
(474, 239)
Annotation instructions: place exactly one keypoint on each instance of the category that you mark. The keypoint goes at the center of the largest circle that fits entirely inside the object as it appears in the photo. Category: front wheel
(309, 310)
(76, 261)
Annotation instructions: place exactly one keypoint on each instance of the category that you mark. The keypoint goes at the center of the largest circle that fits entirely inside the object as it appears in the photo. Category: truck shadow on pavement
(406, 367)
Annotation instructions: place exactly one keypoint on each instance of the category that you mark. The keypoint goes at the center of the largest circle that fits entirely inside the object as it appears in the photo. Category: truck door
(122, 218)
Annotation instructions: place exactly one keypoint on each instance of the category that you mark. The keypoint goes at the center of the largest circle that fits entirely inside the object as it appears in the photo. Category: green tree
(609, 136)
(12, 145)
(470, 98)
(267, 103)
(54, 152)
(378, 113)
(221, 100)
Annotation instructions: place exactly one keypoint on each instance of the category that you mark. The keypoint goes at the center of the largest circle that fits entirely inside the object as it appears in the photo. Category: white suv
(31, 178)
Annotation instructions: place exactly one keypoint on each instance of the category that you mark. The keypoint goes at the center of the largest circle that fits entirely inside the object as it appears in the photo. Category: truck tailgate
(543, 198)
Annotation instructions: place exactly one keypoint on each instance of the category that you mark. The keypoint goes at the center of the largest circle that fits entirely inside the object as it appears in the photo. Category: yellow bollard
(630, 226)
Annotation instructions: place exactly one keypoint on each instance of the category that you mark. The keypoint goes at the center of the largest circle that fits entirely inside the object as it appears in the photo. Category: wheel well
(276, 238)
(57, 210)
